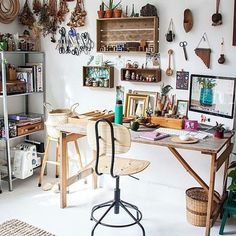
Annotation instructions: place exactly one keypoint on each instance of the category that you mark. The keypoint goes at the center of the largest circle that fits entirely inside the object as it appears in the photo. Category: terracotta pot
(218, 134)
(109, 14)
(117, 13)
(101, 14)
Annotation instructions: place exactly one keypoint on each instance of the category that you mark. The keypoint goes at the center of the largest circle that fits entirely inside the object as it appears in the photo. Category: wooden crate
(145, 73)
(113, 31)
(95, 73)
(167, 122)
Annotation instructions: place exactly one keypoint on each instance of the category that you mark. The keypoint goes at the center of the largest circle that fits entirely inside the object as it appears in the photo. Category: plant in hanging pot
(117, 12)
(110, 7)
(219, 130)
(101, 12)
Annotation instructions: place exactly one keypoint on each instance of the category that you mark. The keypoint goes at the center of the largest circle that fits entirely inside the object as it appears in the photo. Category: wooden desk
(211, 147)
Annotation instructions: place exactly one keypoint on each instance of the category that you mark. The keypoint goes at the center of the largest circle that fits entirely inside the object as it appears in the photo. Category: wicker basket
(57, 117)
(196, 206)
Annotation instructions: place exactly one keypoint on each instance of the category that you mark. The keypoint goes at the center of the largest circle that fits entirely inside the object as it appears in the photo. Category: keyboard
(178, 132)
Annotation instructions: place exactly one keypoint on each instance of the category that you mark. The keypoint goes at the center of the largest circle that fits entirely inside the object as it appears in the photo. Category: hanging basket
(57, 117)
(196, 206)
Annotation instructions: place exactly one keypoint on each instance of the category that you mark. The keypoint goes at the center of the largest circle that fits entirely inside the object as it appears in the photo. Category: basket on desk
(57, 117)
(196, 206)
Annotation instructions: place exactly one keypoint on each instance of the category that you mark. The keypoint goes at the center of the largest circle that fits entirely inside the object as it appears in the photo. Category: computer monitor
(213, 95)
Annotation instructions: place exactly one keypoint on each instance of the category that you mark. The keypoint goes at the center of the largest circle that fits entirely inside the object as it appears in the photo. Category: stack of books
(153, 135)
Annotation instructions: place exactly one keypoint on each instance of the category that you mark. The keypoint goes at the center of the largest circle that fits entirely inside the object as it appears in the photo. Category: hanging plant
(26, 17)
(37, 5)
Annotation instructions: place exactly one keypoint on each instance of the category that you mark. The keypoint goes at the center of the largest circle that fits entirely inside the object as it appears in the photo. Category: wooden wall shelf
(141, 75)
(98, 76)
(131, 32)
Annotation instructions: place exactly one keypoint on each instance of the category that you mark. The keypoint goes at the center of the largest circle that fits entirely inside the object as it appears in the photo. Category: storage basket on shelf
(196, 206)
(57, 117)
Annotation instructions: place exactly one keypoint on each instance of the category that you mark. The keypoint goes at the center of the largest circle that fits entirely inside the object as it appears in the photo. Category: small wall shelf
(98, 76)
(141, 75)
(128, 34)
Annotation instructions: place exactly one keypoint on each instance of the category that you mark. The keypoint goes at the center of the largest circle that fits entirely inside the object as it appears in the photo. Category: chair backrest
(121, 134)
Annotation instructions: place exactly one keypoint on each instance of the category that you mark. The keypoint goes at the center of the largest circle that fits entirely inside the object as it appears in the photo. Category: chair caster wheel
(39, 185)
(57, 176)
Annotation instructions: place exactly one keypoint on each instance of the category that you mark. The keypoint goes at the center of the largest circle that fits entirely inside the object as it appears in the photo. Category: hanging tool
(221, 60)
(183, 44)
(169, 71)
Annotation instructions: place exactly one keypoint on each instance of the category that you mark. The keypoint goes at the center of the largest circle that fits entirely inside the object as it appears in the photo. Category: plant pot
(109, 14)
(101, 14)
(117, 13)
(219, 134)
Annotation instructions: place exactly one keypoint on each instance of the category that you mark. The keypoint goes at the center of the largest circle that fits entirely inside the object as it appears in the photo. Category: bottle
(119, 112)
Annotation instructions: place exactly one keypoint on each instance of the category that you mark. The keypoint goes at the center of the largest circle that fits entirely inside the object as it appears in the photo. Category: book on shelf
(38, 70)
(153, 135)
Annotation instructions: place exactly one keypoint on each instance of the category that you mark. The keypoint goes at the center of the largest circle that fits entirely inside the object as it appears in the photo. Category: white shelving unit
(19, 58)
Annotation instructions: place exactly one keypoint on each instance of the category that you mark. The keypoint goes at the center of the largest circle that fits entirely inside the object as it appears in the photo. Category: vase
(117, 13)
(219, 134)
(109, 13)
(206, 97)
(101, 14)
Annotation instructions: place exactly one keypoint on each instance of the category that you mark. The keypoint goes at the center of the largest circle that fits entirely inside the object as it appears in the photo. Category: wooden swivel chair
(107, 140)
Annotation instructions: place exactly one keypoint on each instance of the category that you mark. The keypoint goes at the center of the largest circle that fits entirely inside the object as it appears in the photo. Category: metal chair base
(116, 204)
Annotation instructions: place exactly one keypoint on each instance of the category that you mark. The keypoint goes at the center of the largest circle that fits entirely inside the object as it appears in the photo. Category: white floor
(163, 209)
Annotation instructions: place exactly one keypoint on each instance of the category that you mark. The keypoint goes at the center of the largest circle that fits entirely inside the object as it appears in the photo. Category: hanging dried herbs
(44, 15)
(26, 17)
(37, 5)
(52, 7)
(77, 18)
(63, 10)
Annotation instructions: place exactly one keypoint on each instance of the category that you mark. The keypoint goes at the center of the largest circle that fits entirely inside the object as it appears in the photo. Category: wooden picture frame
(182, 108)
(152, 98)
(234, 25)
(136, 104)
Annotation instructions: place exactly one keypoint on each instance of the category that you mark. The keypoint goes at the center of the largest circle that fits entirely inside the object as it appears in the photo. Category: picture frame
(182, 108)
(153, 96)
(136, 104)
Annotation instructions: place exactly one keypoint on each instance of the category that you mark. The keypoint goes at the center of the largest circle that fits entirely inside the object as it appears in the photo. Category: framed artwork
(182, 108)
(182, 80)
(136, 104)
(152, 98)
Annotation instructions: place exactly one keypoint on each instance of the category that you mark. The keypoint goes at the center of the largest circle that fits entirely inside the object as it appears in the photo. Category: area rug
(19, 228)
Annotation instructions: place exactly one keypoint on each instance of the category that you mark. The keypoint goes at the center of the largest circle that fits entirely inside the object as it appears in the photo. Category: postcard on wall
(152, 60)
(182, 80)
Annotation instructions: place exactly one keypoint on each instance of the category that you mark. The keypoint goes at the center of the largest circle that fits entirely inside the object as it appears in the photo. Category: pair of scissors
(183, 44)
(72, 32)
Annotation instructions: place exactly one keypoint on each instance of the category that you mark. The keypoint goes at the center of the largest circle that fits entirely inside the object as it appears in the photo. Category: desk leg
(210, 195)
(63, 170)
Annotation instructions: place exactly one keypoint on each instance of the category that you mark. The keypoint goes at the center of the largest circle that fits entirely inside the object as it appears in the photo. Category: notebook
(153, 135)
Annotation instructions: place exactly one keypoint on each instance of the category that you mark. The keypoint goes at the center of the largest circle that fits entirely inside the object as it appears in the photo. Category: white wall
(64, 75)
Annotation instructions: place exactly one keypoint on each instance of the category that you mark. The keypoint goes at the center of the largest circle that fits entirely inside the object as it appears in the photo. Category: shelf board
(127, 18)
(120, 30)
(139, 81)
(21, 52)
(123, 52)
(21, 136)
(22, 94)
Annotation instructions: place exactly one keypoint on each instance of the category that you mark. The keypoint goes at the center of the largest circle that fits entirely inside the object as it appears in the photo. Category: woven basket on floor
(196, 206)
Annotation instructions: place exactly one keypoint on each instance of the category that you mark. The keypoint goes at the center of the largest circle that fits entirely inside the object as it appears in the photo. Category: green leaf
(232, 174)
(232, 187)
(232, 165)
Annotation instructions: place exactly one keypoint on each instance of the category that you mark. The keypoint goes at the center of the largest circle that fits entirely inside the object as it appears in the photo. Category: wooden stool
(56, 162)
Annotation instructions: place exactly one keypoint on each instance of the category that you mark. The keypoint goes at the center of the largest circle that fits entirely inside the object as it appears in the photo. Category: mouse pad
(178, 140)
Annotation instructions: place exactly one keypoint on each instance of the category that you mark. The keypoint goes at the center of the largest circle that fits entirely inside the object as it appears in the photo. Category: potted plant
(110, 7)
(206, 93)
(219, 130)
(101, 12)
(117, 12)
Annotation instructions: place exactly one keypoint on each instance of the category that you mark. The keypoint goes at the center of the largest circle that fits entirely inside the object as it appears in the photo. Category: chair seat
(122, 166)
